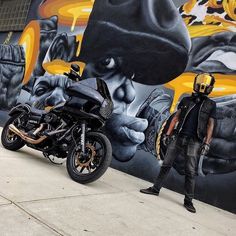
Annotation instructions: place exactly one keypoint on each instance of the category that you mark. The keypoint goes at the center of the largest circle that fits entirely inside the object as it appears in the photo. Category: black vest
(205, 111)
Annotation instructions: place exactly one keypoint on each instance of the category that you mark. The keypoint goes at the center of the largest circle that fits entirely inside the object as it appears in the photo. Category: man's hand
(205, 149)
(166, 140)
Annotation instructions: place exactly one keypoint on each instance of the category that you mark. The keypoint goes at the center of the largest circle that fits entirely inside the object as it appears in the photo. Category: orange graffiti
(70, 12)
(30, 42)
(79, 39)
(59, 67)
(211, 19)
(214, 4)
(187, 7)
(230, 8)
(206, 30)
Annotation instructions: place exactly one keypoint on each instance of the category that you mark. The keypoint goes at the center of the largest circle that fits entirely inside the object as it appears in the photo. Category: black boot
(150, 190)
(189, 206)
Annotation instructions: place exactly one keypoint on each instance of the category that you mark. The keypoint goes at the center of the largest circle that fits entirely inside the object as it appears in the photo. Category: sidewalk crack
(33, 216)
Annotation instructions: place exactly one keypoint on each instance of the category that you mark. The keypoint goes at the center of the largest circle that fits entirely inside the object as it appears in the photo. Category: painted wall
(148, 52)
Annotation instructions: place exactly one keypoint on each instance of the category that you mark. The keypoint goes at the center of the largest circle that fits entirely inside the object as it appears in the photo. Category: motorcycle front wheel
(93, 164)
(10, 140)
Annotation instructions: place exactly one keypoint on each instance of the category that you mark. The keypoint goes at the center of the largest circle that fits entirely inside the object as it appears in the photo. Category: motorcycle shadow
(37, 157)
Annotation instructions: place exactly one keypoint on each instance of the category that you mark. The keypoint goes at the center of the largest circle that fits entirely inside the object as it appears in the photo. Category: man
(189, 134)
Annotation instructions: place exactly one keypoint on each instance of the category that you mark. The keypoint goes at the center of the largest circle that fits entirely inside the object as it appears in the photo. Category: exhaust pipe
(38, 129)
(24, 136)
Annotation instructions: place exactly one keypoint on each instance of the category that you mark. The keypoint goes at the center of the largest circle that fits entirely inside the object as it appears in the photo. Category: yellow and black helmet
(204, 83)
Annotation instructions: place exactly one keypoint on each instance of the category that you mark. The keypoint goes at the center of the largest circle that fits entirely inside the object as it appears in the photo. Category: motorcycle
(71, 130)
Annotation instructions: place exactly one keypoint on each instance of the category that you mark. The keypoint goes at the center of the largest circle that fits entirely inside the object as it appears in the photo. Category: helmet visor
(203, 83)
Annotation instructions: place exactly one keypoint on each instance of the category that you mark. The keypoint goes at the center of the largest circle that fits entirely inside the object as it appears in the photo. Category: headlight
(106, 109)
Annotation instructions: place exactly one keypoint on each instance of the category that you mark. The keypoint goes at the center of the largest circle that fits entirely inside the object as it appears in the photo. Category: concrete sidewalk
(39, 198)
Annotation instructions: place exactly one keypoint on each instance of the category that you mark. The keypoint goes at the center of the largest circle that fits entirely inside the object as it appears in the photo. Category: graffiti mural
(12, 65)
(121, 51)
(148, 57)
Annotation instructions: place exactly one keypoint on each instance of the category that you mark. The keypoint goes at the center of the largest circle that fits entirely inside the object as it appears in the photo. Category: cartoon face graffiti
(125, 132)
(135, 44)
(49, 91)
(216, 53)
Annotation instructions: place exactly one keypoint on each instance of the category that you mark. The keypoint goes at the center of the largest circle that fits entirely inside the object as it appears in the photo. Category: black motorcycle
(71, 130)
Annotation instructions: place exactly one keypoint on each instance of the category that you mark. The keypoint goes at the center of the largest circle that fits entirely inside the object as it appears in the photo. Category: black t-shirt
(191, 122)
(190, 125)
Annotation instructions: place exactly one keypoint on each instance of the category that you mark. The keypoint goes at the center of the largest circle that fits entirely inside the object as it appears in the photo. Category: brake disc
(92, 154)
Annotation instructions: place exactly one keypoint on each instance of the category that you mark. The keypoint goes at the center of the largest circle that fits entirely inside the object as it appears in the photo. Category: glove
(166, 140)
(205, 149)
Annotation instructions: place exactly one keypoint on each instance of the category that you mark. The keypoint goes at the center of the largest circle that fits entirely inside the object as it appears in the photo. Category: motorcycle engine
(50, 118)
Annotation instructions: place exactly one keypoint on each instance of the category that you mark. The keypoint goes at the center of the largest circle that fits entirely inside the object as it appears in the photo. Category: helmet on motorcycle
(204, 83)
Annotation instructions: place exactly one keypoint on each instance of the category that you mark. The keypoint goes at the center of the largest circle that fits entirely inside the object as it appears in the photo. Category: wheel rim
(10, 136)
(94, 155)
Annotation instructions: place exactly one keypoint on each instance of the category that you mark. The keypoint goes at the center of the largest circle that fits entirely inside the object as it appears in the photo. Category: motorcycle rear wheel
(10, 140)
(96, 162)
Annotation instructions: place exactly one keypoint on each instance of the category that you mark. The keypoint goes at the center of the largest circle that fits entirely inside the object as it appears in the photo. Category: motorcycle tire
(104, 160)
(10, 140)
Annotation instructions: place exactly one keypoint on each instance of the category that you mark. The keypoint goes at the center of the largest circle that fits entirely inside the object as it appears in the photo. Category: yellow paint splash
(187, 7)
(207, 30)
(211, 19)
(60, 67)
(79, 39)
(77, 12)
(225, 85)
(69, 12)
(230, 8)
(214, 4)
(30, 41)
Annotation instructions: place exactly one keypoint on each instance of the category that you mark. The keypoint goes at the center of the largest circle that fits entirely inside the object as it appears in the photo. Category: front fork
(82, 137)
